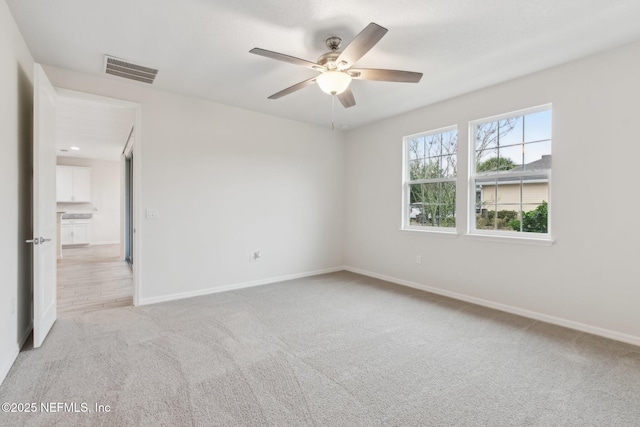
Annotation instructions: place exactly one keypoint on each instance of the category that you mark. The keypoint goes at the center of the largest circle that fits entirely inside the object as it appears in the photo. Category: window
(510, 173)
(430, 180)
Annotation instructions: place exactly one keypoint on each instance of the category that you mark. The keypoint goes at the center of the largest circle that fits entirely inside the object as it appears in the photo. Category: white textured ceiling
(96, 129)
(201, 47)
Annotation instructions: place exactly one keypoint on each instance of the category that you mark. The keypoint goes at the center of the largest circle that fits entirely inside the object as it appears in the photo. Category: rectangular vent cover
(127, 70)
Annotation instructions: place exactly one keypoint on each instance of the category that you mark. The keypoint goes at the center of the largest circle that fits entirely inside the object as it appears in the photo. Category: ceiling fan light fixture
(335, 66)
(333, 82)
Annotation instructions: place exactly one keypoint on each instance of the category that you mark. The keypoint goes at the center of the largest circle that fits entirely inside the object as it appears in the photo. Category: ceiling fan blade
(385, 75)
(346, 98)
(286, 58)
(293, 88)
(361, 44)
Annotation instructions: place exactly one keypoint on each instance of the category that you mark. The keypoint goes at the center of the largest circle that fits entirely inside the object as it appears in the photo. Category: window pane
(508, 193)
(507, 213)
(416, 149)
(415, 193)
(534, 192)
(486, 219)
(487, 160)
(537, 126)
(499, 217)
(433, 146)
(432, 168)
(450, 142)
(528, 207)
(486, 197)
(447, 204)
(510, 131)
(486, 136)
(416, 169)
(537, 155)
(432, 204)
(534, 219)
(510, 157)
(417, 207)
(431, 194)
(449, 163)
(488, 191)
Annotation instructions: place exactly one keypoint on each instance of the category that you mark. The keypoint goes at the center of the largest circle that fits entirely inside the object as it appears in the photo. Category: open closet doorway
(95, 202)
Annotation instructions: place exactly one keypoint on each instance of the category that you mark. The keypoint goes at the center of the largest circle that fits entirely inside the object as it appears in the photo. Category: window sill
(433, 231)
(509, 239)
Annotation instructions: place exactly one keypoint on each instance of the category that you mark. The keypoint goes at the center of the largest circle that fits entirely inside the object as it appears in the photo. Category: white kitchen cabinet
(73, 184)
(64, 184)
(74, 232)
(66, 233)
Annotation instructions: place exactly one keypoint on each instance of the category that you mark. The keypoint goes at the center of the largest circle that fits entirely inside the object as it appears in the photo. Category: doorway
(95, 202)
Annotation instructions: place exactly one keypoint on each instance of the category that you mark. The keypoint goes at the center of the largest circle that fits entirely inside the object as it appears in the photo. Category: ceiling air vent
(121, 68)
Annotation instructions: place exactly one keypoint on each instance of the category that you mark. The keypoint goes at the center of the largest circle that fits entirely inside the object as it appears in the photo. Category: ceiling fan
(336, 66)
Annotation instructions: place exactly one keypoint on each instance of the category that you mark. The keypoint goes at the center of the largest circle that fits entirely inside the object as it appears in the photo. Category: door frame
(137, 175)
(126, 198)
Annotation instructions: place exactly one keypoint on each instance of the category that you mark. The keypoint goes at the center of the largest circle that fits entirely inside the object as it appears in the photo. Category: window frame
(405, 224)
(501, 235)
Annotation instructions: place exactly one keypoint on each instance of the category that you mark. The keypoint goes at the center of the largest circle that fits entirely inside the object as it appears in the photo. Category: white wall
(16, 105)
(105, 198)
(227, 182)
(589, 278)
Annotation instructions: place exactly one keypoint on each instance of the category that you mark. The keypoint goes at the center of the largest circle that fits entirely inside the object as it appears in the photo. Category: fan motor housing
(329, 60)
(333, 43)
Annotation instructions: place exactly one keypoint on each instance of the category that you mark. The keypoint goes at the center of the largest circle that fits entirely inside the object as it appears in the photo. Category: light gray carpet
(331, 350)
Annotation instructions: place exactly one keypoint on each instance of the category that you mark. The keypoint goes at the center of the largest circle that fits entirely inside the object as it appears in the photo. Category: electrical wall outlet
(151, 213)
(418, 259)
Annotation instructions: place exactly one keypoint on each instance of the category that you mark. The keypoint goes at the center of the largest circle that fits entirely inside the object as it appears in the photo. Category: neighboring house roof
(541, 164)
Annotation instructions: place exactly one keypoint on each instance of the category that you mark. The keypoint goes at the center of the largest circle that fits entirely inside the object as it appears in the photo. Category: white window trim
(404, 225)
(439, 231)
(510, 238)
(544, 239)
(521, 112)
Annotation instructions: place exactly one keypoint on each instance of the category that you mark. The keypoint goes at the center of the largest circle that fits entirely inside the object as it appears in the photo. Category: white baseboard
(117, 242)
(606, 333)
(200, 292)
(8, 363)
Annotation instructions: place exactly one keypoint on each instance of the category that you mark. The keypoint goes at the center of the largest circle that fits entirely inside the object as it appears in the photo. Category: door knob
(37, 240)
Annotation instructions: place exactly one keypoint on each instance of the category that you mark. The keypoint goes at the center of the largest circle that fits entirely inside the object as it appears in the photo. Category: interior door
(44, 206)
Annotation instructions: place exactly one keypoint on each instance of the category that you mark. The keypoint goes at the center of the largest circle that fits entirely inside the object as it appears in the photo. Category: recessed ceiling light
(74, 148)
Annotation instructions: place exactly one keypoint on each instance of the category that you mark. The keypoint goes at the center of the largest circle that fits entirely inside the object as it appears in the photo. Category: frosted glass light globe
(333, 82)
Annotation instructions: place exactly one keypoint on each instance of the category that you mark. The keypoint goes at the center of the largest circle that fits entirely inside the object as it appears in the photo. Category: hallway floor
(93, 278)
